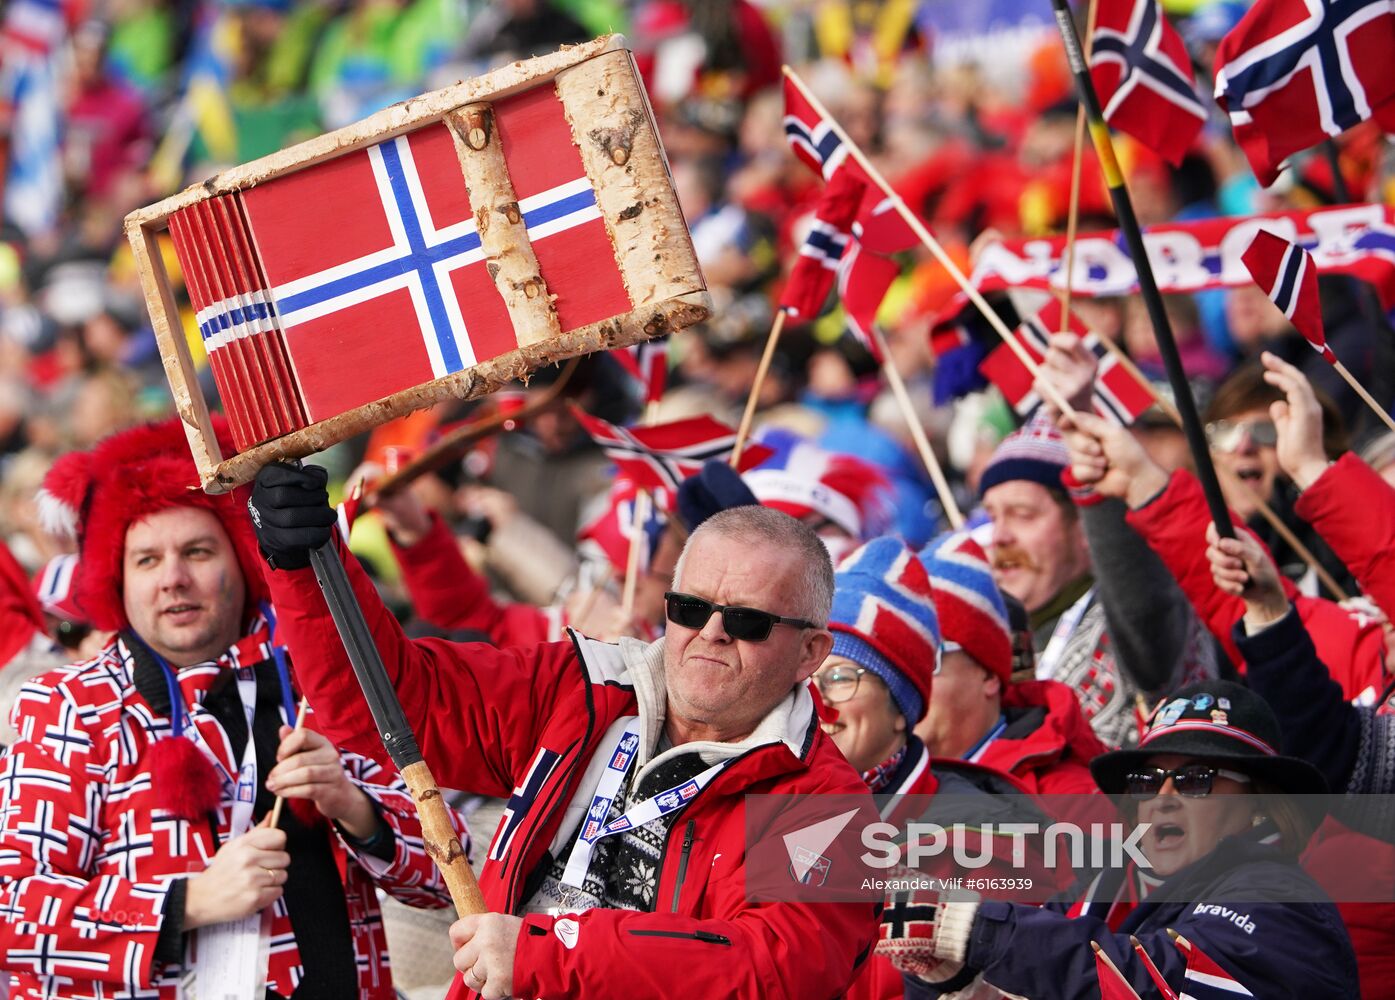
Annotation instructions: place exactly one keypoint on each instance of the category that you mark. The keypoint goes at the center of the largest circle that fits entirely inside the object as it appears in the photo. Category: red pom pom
(185, 782)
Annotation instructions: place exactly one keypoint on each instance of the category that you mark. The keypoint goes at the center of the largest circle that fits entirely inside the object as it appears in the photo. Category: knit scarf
(879, 776)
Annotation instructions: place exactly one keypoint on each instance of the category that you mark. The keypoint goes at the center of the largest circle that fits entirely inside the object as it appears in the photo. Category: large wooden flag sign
(436, 249)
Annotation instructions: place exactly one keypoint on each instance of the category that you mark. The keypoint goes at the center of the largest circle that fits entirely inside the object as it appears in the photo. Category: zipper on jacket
(683, 863)
(706, 936)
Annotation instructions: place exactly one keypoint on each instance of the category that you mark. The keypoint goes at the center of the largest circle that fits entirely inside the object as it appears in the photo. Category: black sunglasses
(745, 624)
(1191, 780)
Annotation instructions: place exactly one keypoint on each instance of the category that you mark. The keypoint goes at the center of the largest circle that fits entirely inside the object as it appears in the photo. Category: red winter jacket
(447, 592)
(525, 724)
(1174, 524)
(1054, 758)
(1362, 534)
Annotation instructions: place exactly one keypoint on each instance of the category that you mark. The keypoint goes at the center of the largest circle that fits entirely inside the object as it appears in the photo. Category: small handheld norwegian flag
(1117, 395)
(863, 281)
(1113, 985)
(811, 137)
(1292, 74)
(661, 456)
(824, 246)
(647, 364)
(1206, 978)
(1287, 274)
(1144, 77)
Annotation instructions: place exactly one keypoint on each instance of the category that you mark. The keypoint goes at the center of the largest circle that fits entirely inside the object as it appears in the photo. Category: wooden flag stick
(641, 515)
(1073, 216)
(922, 444)
(1360, 390)
(744, 431)
(274, 817)
(1122, 983)
(1147, 284)
(437, 829)
(931, 244)
(1265, 511)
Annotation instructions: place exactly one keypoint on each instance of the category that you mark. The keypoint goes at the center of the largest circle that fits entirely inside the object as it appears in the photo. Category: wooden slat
(508, 253)
(174, 350)
(613, 127)
(653, 320)
(384, 125)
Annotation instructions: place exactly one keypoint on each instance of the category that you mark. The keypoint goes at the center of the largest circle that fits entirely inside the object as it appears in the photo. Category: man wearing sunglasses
(620, 862)
(1228, 816)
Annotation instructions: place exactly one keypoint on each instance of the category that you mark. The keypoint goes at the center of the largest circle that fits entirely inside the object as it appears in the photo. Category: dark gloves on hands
(291, 513)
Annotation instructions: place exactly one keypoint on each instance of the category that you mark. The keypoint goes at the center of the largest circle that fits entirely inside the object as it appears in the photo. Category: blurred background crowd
(969, 112)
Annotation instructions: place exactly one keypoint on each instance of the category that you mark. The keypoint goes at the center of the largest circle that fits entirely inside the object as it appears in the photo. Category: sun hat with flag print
(1216, 721)
(884, 620)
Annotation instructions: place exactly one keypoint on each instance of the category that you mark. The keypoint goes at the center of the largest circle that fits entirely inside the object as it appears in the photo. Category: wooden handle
(438, 834)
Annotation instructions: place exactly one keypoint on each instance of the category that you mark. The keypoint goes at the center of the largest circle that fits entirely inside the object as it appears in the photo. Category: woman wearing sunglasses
(1225, 829)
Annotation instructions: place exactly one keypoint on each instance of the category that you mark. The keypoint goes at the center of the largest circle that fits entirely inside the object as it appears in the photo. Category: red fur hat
(97, 495)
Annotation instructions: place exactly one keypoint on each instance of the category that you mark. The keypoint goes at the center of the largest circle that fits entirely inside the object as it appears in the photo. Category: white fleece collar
(787, 723)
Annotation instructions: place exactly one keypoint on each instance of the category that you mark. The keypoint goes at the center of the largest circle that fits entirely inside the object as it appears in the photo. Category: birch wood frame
(614, 129)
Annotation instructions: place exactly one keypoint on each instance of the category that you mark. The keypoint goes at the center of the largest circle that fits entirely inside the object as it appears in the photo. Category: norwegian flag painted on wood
(1118, 396)
(383, 240)
(661, 456)
(813, 274)
(1294, 72)
(1143, 74)
(1286, 273)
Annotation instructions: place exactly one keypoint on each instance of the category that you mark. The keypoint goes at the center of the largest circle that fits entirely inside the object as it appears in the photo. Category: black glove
(291, 513)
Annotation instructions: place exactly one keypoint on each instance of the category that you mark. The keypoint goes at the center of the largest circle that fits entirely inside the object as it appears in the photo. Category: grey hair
(765, 526)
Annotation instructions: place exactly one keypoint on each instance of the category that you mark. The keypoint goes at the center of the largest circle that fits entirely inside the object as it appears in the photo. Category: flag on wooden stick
(1286, 273)
(1117, 395)
(824, 247)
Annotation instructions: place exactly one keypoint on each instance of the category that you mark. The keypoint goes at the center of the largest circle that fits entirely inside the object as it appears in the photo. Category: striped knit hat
(971, 609)
(884, 620)
(1035, 452)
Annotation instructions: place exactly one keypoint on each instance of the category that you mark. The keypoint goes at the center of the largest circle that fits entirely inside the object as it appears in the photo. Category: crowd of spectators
(156, 94)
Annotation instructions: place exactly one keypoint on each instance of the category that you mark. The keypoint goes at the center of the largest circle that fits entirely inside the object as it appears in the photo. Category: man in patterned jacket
(133, 852)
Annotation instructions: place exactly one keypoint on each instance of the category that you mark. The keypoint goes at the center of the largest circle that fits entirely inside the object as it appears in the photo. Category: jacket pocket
(705, 936)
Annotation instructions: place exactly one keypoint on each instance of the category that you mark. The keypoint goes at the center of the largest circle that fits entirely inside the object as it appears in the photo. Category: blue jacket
(1353, 746)
(1227, 904)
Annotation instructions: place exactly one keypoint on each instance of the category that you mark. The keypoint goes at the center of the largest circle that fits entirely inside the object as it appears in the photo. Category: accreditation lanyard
(621, 758)
(1065, 626)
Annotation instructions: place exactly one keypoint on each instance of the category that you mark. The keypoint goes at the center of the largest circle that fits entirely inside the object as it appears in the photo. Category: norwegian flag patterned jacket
(86, 858)
(532, 724)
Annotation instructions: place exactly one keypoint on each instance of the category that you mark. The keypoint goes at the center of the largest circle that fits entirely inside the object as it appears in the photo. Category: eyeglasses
(839, 684)
(1228, 435)
(1191, 780)
(745, 624)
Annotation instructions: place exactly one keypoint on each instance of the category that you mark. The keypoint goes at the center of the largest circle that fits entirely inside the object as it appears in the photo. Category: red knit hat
(97, 495)
(972, 613)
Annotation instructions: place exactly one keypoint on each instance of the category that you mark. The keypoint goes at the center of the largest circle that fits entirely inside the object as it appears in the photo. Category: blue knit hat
(1035, 452)
(884, 620)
